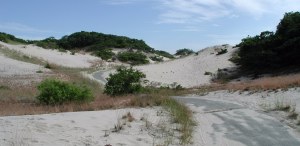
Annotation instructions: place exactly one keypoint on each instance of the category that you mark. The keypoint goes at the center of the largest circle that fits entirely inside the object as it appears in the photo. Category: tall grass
(267, 83)
(181, 115)
(179, 112)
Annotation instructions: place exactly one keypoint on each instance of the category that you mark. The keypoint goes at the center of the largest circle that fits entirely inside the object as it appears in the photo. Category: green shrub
(208, 73)
(105, 54)
(133, 58)
(184, 52)
(124, 81)
(57, 92)
(156, 58)
(73, 52)
(269, 52)
(164, 54)
(47, 65)
(222, 51)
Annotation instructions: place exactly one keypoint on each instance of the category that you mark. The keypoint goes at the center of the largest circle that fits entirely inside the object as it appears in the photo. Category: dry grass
(265, 83)
(10, 108)
(268, 83)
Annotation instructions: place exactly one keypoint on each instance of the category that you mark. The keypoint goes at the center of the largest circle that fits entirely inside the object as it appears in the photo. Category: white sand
(54, 56)
(188, 71)
(11, 67)
(82, 128)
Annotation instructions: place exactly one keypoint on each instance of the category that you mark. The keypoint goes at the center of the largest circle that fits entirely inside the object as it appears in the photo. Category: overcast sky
(163, 24)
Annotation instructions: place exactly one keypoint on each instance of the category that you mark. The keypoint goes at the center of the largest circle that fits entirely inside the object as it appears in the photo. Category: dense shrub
(156, 58)
(184, 52)
(48, 43)
(272, 51)
(222, 51)
(7, 38)
(164, 54)
(105, 54)
(57, 92)
(133, 58)
(86, 39)
(124, 81)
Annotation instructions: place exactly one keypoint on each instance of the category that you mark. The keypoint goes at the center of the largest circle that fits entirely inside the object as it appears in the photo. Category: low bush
(54, 92)
(222, 51)
(164, 54)
(105, 54)
(184, 52)
(156, 58)
(208, 73)
(133, 58)
(126, 80)
(47, 65)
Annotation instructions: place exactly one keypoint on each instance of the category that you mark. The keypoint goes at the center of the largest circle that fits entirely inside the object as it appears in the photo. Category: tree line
(272, 51)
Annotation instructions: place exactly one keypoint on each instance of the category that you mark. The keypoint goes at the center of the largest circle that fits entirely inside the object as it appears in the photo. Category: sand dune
(188, 71)
(94, 128)
(54, 56)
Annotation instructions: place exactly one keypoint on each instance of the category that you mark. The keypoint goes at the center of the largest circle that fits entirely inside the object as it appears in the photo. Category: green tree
(124, 81)
(272, 51)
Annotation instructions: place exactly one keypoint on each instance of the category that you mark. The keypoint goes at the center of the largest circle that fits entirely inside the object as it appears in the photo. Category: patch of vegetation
(235, 57)
(183, 116)
(47, 65)
(208, 73)
(105, 54)
(156, 58)
(20, 56)
(222, 76)
(2, 87)
(164, 54)
(124, 81)
(271, 51)
(102, 41)
(54, 92)
(48, 43)
(184, 52)
(222, 51)
(133, 58)
(8, 38)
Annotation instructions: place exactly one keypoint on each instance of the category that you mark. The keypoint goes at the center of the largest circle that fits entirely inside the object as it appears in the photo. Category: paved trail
(231, 124)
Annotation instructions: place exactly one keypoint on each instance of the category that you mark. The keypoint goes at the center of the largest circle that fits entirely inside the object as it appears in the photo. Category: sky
(166, 25)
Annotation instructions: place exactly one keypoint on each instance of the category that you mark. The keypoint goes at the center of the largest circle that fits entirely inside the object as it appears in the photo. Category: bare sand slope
(82, 128)
(54, 56)
(189, 71)
(11, 67)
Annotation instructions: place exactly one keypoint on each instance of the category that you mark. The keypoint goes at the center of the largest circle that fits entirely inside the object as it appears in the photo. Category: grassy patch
(179, 112)
(181, 115)
(2, 87)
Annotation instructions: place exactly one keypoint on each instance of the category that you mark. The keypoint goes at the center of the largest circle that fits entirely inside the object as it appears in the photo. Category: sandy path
(80, 128)
(54, 56)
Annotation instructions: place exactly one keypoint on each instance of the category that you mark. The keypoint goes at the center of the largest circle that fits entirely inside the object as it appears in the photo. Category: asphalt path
(226, 123)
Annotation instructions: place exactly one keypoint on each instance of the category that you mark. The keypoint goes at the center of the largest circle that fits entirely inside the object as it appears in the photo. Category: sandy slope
(10, 67)
(82, 128)
(54, 56)
(188, 71)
